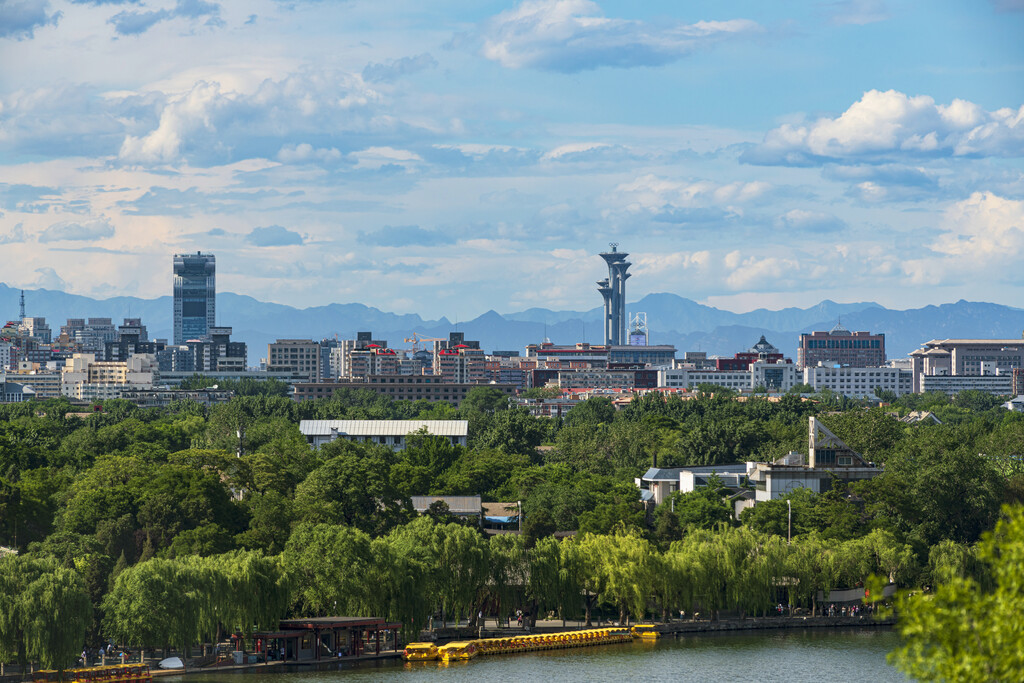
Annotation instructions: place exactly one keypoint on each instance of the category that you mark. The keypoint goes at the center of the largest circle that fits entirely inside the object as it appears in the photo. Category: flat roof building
(389, 433)
(839, 346)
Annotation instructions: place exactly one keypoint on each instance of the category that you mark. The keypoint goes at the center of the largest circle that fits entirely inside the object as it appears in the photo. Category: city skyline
(452, 159)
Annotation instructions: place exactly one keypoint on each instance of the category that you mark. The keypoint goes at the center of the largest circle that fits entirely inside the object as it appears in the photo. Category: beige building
(85, 378)
(45, 381)
(301, 355)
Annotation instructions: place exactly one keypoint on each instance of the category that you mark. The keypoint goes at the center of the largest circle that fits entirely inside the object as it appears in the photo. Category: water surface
(791, 656)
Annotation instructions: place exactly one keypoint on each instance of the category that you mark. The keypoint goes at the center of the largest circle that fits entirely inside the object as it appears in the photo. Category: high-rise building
(613, 289)
(195, 294)
(839, 346)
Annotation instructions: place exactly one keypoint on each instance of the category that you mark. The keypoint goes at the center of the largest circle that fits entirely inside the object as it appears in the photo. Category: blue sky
(450, 157)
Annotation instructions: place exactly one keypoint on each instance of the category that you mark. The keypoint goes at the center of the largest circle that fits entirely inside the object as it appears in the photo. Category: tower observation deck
(613, 289)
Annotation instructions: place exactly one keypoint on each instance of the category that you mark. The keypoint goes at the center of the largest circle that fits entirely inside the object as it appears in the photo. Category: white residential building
(87, 379)
(389, 433)
(681, 378)
(859, 382)
(999, 384)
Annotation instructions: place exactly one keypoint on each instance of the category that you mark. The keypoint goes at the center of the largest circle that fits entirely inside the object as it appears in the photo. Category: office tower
(839, 346)
(613, 289)
(195, 294)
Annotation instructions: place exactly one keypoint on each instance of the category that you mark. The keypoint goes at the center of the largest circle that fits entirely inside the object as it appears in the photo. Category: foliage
(177, 529)
(962, 632)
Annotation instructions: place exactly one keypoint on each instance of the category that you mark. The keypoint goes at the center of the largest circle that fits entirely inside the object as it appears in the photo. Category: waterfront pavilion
(312, 639)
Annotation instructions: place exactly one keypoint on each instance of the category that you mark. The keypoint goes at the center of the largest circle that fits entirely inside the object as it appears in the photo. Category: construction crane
(416, 338)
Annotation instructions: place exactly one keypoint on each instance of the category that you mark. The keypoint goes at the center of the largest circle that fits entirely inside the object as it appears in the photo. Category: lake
(792, 656)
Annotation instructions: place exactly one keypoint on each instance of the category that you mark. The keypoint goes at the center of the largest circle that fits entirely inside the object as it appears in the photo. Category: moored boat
(645, 632)
(419, 652)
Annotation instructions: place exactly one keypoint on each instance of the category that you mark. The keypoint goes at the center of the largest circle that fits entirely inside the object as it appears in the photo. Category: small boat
(419, 652)
(460, 650)
(645, 632)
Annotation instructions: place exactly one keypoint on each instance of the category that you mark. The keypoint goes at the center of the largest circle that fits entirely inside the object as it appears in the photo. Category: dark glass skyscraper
(195, 295)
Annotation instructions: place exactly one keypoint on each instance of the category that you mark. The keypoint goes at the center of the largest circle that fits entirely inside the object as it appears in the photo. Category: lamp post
(789, 521)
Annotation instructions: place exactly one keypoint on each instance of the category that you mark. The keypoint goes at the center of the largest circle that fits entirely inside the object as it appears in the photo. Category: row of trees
(419, 569)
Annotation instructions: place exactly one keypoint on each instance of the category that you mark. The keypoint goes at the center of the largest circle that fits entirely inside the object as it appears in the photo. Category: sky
(455, 156)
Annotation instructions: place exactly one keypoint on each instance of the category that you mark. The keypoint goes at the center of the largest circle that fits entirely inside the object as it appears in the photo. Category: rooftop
(383, 427)
(469, 505)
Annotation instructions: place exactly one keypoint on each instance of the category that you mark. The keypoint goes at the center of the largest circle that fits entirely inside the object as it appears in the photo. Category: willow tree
(509, 570)
(709, 570)
(328, 565)
(627, 560)
(948, 560)
(239, 590)
(401, 580)
(586, 552)
(812, 566)
(545, 577)
(759, 566)
(402, 573)
(204, 596)
(45, 611)
(258, 589)
(153, 604)
(56, 613)
(675, 582)
(462, 567)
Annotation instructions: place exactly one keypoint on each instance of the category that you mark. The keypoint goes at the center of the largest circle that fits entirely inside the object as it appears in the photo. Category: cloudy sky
(453, 156)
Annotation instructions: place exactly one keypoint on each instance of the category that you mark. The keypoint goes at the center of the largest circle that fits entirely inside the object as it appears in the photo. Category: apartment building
(301, 355)
(859, 382)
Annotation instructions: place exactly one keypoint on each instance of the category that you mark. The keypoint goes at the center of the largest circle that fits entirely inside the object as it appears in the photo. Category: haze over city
(448, 158)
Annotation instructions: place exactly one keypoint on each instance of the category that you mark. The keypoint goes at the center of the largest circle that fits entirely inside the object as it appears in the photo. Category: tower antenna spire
(22, 308)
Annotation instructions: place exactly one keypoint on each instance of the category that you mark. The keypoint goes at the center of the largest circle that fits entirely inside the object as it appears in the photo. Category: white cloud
(47, 278)
(95, 229)
(376, 157)
(812, 221)
(573, 35)
(305, 152)
(650, 193)
(14, 235)
(208, 122)
(658, 264)
(574, 148)
(892, 123)
(761, 273)
(180, 116)
(983, 227)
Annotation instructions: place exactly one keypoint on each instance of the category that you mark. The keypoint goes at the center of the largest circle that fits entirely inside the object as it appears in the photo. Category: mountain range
(672, 320)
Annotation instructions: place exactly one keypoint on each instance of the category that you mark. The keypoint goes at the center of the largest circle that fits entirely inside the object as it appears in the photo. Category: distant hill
(673, 320)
